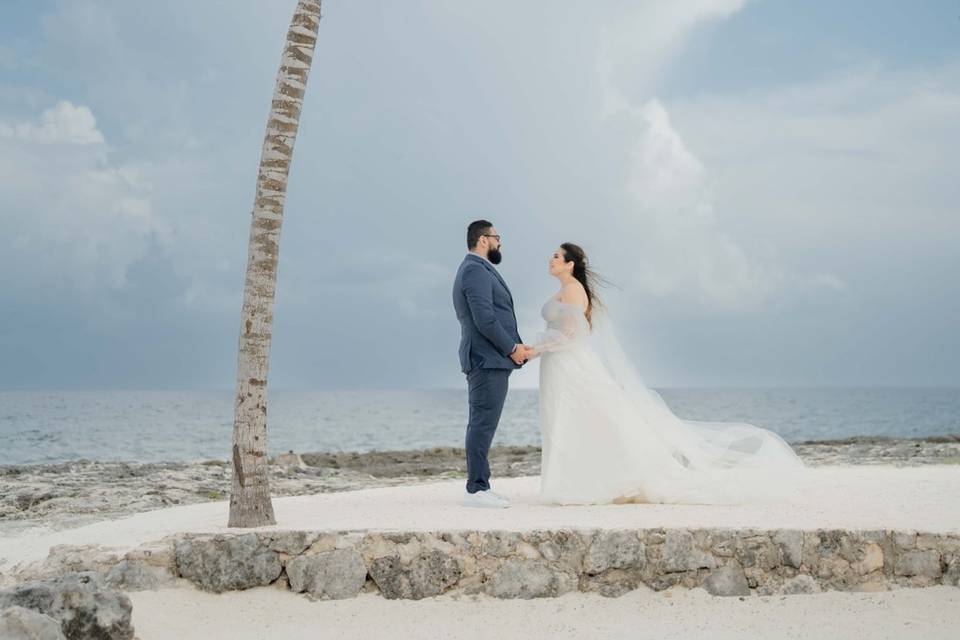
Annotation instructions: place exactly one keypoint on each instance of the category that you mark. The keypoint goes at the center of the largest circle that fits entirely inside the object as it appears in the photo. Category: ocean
(152, 426)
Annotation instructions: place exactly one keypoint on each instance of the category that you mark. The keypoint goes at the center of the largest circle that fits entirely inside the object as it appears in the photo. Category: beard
(494, 256)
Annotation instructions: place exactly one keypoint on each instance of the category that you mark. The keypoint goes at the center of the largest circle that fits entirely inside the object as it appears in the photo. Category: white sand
(268, 612)
(914, 499)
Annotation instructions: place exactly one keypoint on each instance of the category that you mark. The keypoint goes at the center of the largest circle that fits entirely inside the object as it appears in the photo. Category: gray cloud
(792, 234)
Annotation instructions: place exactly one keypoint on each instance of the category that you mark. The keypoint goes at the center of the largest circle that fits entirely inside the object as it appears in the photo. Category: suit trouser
(487, 391)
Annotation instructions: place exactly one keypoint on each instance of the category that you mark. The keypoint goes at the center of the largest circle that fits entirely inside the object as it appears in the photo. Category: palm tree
(250, 504)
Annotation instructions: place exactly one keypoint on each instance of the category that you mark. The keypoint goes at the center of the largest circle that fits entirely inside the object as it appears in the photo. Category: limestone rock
(872, 559)
(680, 553)
(759, 553)
(951, 576)
(333, 574)
(130, 575)
(222, 563)
(549, 550)
(69, 558)
(728, 580)
(614, 550)
(613, 583)
(802, 583)
(428, 574)
(905, 539)
(790, 543)
(500, 544)
(289, 542)
(918, 563)
(79, 602)
(19, 623)
(529, 579)
(289, 459)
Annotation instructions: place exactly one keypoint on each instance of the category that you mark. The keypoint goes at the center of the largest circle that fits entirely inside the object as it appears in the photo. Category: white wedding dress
(606, 437)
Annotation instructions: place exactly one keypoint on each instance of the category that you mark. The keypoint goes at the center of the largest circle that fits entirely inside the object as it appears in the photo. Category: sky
(772, 186)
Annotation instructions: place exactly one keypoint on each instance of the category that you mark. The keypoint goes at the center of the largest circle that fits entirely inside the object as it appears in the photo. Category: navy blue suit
(488, 335)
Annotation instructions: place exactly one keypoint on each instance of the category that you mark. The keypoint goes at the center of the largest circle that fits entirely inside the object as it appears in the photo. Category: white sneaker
(483, 499)
(500, 496)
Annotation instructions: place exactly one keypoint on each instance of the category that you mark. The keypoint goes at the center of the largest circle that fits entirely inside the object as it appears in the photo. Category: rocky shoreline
(70, 494)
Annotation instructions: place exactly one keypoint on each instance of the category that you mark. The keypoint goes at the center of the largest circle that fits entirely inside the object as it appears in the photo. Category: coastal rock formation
(728, 580)
(524, 578)
(429, 573)
(224, 563)
(19, 623)
(79, 602)
(335, 574)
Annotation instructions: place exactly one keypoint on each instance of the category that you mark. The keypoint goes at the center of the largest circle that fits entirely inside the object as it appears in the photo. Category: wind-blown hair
(586, 276)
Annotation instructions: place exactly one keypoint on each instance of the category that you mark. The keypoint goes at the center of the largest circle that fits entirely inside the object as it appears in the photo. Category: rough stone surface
(79, 602)
(335, 574)
(680, 553)
(800, 584)
(919, 563)
(529, 564)
(728, 580)
(951, 576)
(19, 623)
(530, 579)
(428, 574)
(132, 575)
(221, 563)
(871, 561)
(289, 542)
(615, 550)
(790, 543)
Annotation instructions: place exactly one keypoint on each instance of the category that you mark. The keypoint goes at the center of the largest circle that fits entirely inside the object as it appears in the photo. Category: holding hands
(522, 353)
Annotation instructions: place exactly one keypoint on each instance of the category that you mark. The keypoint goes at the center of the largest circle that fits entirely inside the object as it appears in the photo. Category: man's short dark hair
(476, 229)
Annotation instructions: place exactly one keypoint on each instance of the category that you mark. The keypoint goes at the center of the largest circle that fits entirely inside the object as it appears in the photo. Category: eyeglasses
(490, 235)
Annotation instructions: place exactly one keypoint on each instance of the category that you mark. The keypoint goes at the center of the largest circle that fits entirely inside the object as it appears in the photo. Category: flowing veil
(719, 462)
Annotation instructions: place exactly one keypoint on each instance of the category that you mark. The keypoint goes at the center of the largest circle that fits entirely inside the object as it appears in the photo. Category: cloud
(855, 159)
(637, 46)
(63, 124)
(77, 218)
(129, 168)
(668, 206)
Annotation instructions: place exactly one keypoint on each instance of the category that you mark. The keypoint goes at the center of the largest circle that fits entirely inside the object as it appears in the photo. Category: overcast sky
(774, 186)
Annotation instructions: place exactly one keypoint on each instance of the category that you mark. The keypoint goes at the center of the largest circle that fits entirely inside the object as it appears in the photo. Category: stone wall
(525, 565)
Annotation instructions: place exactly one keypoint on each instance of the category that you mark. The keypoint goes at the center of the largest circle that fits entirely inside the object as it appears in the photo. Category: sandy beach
(267, 612)
(66, 495)
(921, 500)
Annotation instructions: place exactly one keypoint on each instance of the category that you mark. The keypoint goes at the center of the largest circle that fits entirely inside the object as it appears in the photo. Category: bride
(606, 437)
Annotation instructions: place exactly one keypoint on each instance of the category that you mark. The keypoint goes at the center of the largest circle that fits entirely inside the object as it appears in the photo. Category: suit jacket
(488, 325)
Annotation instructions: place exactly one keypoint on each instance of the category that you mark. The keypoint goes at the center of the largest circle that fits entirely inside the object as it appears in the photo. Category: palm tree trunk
(250, 504)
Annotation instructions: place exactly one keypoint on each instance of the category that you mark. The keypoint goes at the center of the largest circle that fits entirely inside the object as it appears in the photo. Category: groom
(490, 349)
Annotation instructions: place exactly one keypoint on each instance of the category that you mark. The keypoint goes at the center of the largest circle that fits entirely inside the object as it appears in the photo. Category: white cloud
(855, 160)
(684, 249)
(75, 219)
(63, 124)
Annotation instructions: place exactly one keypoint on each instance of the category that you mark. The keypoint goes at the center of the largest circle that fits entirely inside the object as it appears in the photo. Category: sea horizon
(154, 425)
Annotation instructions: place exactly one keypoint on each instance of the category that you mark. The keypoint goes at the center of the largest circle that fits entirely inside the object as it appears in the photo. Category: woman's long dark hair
(586, 276)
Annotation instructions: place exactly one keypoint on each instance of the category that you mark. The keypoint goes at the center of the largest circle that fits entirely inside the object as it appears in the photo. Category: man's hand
(521, 354)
